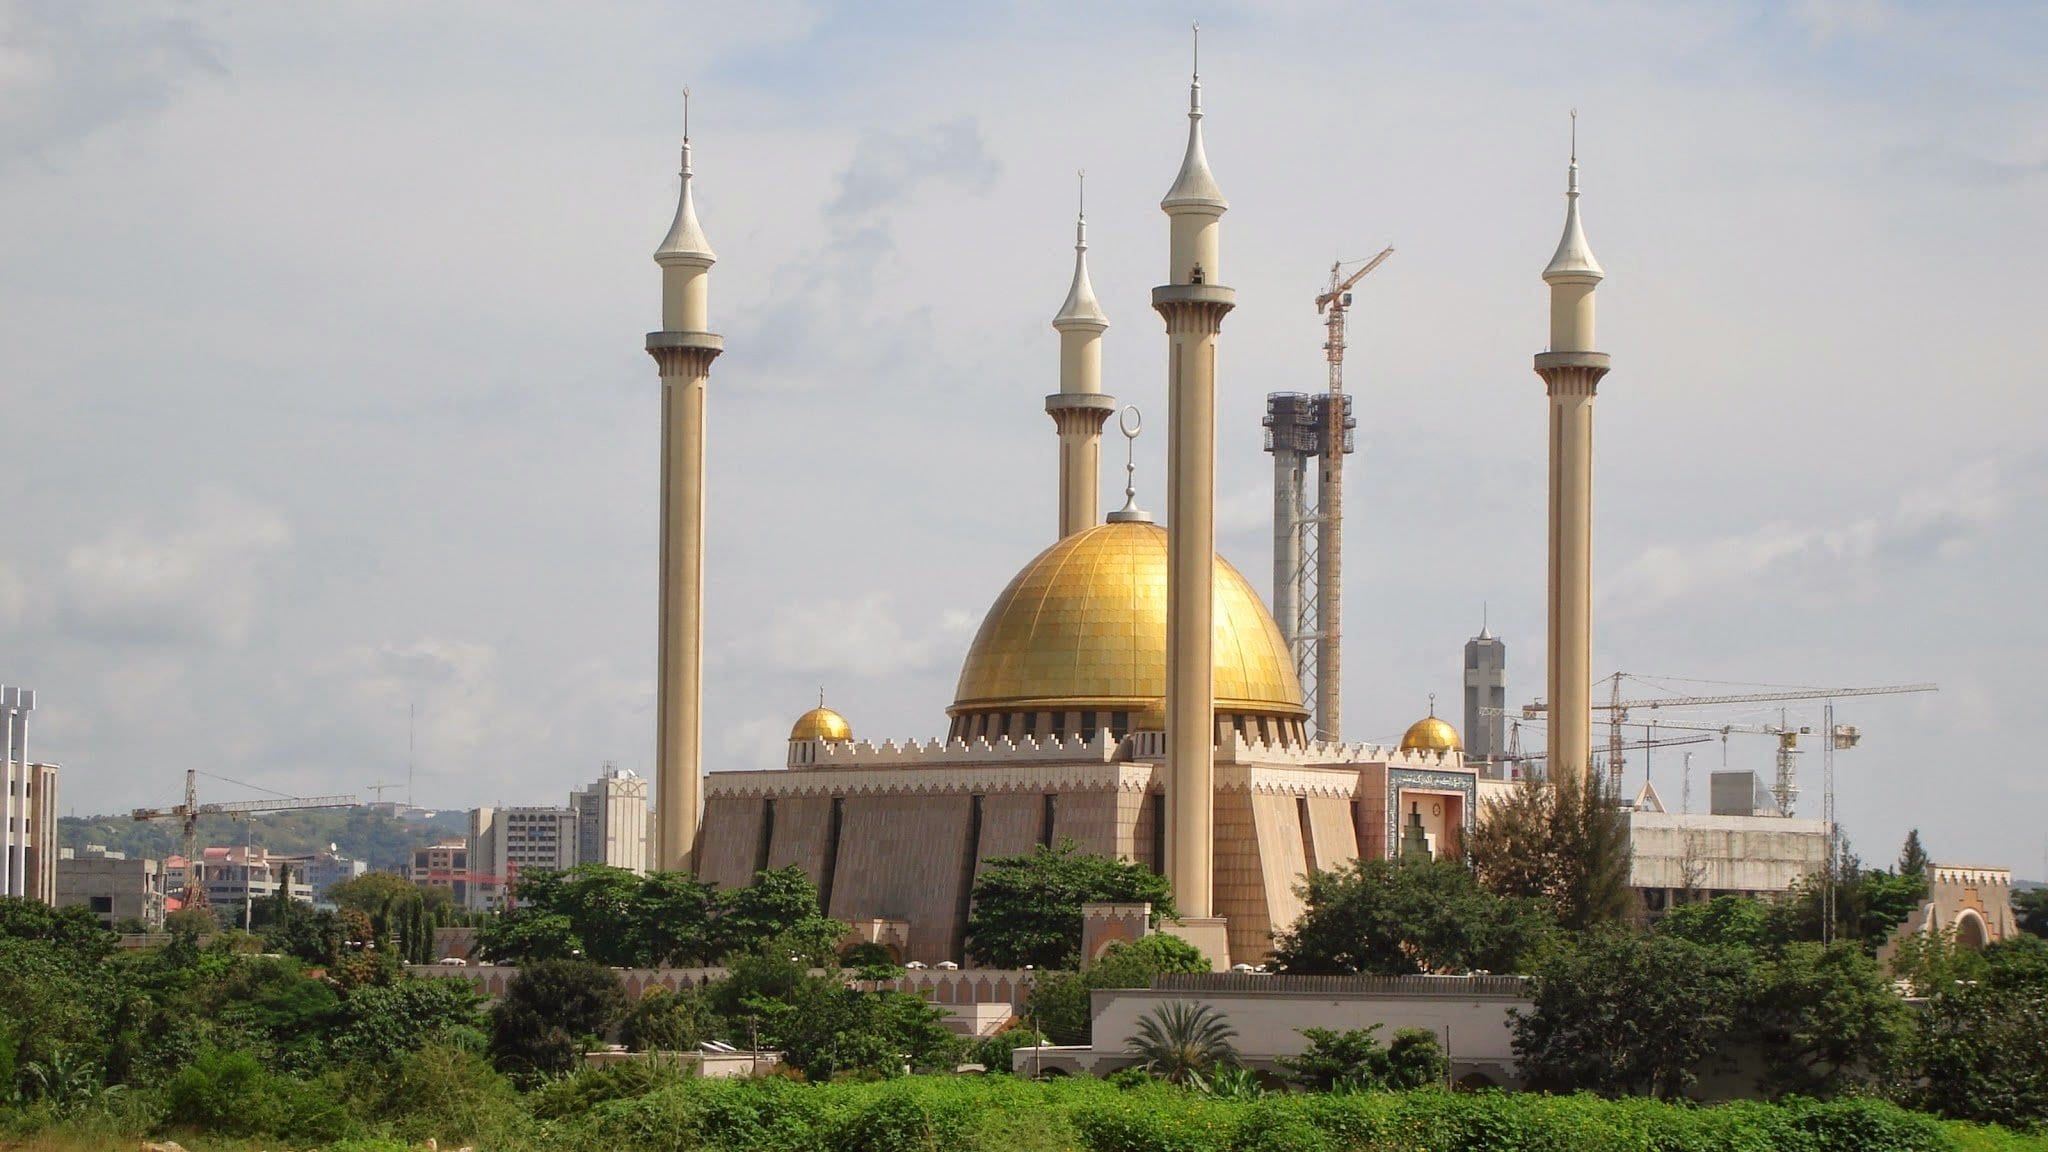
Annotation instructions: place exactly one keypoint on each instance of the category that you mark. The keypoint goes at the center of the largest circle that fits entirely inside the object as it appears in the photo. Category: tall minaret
(684, 348)
(1079, 408)
(1571, 372)
(1194, 302)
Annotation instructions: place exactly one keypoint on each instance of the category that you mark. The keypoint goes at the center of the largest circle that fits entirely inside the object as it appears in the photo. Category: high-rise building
(1486, 687)
(611, 820)
(503, 842)
(323, 870)
(28, 806)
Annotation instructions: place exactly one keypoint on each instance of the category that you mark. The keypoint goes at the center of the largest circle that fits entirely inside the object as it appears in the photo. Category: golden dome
(821, 723)
(1430, 734)
(1083, 627)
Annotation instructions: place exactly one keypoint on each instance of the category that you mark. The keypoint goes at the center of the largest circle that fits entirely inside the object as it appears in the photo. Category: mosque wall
(1240, 895)
(802, 835)
(729, 850)
(907, 858)
(1094, 821)
(1012, 824)
(1333, 837)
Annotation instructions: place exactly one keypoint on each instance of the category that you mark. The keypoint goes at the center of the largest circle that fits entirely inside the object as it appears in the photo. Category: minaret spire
(1080, 407)
(1193, 302)
(1571, 372)
(683, 350)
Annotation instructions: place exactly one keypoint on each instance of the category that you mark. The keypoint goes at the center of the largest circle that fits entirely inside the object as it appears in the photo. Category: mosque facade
(1080, 713)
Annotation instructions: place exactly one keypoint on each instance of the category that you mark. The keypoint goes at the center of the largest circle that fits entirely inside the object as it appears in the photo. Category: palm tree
(1182, 1042)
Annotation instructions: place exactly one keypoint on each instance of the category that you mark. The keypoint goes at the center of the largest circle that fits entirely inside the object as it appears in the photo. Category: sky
(323, 401)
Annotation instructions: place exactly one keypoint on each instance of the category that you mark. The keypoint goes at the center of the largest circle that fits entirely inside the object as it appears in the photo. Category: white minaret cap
(1574, 262)
(1081, 311)
(1195, 187)
(685, 242)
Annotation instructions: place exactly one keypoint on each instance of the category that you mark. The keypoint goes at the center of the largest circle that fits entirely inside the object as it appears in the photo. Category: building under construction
(1305, 430)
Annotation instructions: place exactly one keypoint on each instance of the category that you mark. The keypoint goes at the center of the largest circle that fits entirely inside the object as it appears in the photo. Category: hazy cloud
(67, 70)
(196, 581)
(1782, 559)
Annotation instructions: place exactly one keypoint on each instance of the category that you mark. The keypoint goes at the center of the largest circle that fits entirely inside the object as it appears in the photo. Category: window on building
(103, 905)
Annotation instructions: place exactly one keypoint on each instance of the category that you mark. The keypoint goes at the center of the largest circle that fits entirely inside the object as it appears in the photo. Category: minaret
(1193, 302)
(684, 349)
(1079, 408)
(1571, 372)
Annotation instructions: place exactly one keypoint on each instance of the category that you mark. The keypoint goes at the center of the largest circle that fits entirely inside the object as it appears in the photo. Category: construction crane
(191, 810)
(381, 789)
(1308, 542)
(1786, 787)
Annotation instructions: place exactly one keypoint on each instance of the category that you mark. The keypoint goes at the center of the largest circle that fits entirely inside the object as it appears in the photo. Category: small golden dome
(1083, 627)
(1430, 734)
(821, 723)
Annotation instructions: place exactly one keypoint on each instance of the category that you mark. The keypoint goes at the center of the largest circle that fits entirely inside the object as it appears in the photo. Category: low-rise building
(326, 869)
(1738, 849)
(611, 820)
(444, 866)
(112, 886)
(233, 877)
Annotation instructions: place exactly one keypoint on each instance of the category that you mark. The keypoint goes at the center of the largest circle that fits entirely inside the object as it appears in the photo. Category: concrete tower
(684, 349)
(1193, 302)
(1486, 686)
(1571, 372)
(1079, 408)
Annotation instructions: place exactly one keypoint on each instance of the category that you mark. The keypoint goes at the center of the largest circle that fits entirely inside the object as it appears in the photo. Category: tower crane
(1328, 593)
(1786, 788)
(191, 810)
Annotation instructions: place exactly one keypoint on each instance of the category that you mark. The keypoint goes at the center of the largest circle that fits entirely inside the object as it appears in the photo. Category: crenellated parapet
(1101, 748)
(936, 777)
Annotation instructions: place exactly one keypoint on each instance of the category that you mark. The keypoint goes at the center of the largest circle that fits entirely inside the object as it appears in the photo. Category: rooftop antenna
(1197, 28)
(411, 724)
(686, 114)
(1081, 177)
(1130, 422)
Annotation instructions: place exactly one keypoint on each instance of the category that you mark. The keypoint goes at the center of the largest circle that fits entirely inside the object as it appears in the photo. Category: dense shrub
(231, 1094)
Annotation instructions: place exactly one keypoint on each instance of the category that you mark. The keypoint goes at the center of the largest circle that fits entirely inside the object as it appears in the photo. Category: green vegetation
(1356, 1059)
(1406, 916)
(1183, 1042)
(1564, 843)
(1027, 909)
(385, 842)
(1059, 1000)
(611, 916)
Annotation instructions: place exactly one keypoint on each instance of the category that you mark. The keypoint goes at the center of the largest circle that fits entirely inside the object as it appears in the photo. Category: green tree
(1059, 1004)
(1027, 909)
(1564, 841)
(1628, 1014)
(377, 1024)
(1982, 1050)
(1913, 859)
(1405, 916)
(371, 891)
(1183, 1042)
(1353, 1057)
(781, 904)
(1724, 921)
(549, 1013)
(2030, 907)
(673, 915)
(665, 1021)
(527, 935)
(1828, 1020)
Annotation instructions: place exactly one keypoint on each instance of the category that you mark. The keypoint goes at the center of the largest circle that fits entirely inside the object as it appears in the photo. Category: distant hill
(385, 841)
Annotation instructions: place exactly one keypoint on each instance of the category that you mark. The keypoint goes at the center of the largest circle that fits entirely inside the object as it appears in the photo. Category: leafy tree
(1356, 1059)
(1724, 921)
(674, 914)
(377, 1024)
(1628, 1014)
(548, 1012)
(527, 935)
(371, 891)
(1406, 916)
(76, 931)
(195, 920)
(665, 1021)
(1059, 1004)
(2030, 906)
(1182, 1042)
(1828, 1020)
(1564, 841)
(1027, 909)
(1913, 859)
(1982, 1051)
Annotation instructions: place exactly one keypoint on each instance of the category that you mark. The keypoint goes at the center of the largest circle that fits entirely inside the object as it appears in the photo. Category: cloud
(68, 70)
(1827, 19)
(863, 635)
(888, 166)
(1926, 524)
(196, 582)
